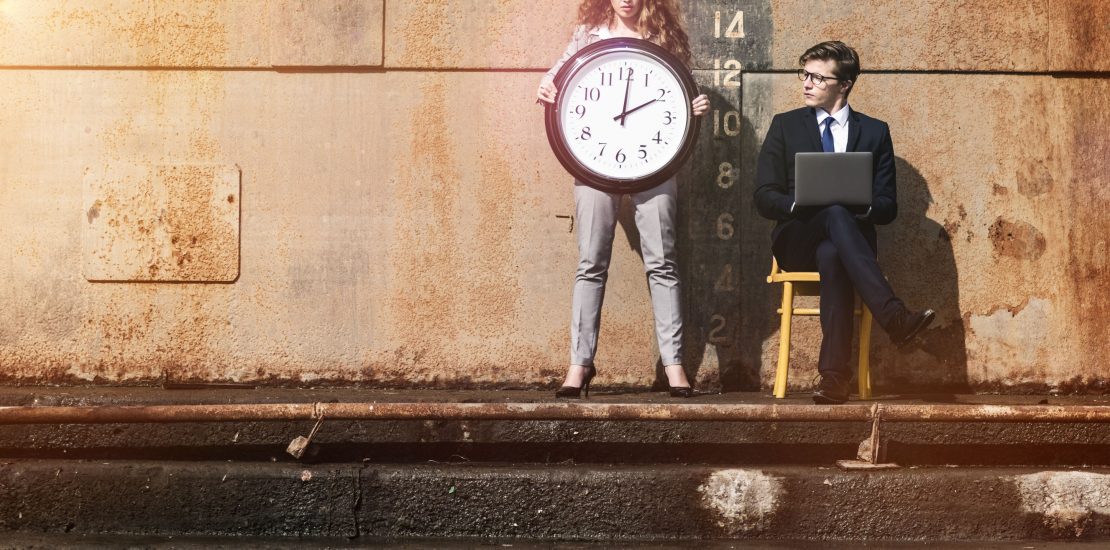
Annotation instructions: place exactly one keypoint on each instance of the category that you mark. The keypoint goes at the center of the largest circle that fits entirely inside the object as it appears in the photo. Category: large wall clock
(622, 120)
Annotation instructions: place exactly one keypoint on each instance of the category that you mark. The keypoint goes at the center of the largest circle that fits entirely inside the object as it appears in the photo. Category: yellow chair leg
(864, 374)
(784, 339)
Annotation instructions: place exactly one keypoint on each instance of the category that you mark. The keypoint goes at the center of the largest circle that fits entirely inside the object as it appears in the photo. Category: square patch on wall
(161, 223)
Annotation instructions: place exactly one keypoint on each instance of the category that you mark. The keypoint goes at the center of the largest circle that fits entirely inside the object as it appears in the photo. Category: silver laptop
(832, 178)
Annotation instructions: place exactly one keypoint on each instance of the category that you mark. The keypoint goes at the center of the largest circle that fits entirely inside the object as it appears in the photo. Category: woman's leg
(656, 216)
(596, 220)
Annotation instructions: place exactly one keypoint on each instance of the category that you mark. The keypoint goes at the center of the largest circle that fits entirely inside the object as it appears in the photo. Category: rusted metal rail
(862, 412)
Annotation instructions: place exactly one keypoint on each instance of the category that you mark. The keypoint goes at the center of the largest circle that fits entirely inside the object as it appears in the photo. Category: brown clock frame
(601, 181)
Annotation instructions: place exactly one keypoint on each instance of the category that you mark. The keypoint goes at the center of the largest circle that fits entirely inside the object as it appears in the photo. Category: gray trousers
(656, 210)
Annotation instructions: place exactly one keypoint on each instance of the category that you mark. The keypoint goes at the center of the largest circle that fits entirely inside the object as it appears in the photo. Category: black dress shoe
(571, 392)
(910, 324)
(831, 391)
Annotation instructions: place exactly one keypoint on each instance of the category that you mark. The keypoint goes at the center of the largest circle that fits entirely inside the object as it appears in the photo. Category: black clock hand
(624, 108)
(633, 110)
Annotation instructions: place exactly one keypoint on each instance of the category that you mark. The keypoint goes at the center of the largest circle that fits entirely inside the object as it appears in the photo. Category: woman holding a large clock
(621, 117)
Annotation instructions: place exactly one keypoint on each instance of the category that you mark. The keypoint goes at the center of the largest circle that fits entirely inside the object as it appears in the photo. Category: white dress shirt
(839, 127)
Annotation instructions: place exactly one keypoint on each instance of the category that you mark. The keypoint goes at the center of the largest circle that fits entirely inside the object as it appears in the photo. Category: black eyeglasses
(818, 79)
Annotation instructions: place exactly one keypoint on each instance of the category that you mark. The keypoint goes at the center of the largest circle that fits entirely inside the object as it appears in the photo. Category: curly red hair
(660, 19)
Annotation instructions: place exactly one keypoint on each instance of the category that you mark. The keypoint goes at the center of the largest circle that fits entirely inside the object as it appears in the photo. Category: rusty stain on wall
(162, 223)
(1017, 239)
(160, 33)
(1086, 265)
(1079, 29)
(1001, 35)
(174, 38)
(424, 258)
(480, 34)
(179, 211)
(201, 238)
(1035, 179)
(494, 300)
(422, 33)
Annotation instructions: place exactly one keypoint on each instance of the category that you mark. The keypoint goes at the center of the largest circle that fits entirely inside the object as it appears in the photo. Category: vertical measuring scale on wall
(726, 38)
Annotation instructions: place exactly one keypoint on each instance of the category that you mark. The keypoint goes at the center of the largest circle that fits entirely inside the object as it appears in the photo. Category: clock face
(623, 116)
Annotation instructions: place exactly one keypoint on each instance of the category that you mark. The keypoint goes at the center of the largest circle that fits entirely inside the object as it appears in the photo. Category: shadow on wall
(759, 321)
(710, 208)
(917, 257)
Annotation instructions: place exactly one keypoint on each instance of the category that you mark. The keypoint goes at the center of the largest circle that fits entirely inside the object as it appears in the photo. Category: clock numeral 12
(732, 71)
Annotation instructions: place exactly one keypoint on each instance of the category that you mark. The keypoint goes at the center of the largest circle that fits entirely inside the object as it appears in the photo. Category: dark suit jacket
(797, 132)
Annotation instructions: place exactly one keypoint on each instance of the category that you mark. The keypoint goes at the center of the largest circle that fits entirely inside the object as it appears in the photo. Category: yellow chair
(807, 283)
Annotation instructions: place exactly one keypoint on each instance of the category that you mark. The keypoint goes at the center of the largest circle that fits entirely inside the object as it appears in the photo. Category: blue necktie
(826, 137)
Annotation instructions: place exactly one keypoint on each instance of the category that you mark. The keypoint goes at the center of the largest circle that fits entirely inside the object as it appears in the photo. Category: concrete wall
(361, 192)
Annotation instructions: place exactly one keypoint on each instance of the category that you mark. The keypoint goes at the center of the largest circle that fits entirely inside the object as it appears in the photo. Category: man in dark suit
(837, 241)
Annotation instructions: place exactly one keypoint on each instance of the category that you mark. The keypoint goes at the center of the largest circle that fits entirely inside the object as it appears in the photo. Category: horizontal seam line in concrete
(556, 411)
(983, 72)
(260, 69)
(361, 69)
(308, 69)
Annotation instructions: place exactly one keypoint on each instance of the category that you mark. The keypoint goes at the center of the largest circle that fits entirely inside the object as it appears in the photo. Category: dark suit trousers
(833, 242)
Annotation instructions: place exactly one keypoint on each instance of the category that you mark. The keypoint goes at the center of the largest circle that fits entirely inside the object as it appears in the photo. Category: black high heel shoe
(572, 392)
(685, 392)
